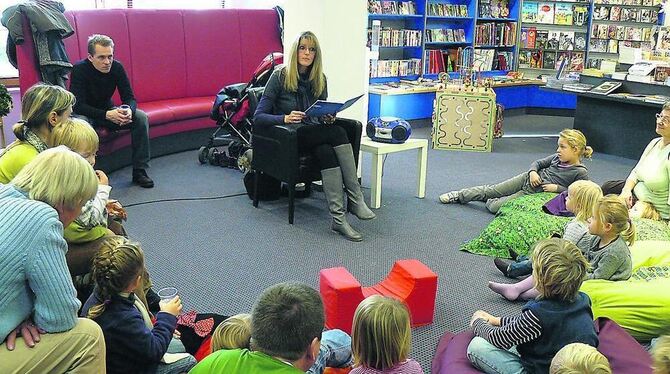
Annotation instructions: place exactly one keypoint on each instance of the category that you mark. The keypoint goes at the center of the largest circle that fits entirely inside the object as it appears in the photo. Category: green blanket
(520, 223)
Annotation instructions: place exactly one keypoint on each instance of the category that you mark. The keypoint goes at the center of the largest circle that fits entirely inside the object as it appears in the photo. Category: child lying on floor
(526, 343)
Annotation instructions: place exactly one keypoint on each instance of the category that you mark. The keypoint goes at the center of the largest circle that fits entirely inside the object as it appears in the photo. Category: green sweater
(242, 361)
(14, 159)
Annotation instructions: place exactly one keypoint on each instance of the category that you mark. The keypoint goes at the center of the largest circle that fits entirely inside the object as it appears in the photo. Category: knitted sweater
(611, 262)
(34, 279)
(14, 159)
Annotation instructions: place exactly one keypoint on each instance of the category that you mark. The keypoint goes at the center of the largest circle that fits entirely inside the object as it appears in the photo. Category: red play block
(410, 281)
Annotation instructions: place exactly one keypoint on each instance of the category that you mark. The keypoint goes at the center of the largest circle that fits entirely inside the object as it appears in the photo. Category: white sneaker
(449, 197)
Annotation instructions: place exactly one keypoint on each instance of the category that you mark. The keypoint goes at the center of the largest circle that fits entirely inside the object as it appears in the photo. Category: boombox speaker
(388, 130)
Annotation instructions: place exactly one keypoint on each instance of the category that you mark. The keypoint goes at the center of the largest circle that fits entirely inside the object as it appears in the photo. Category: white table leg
(422, 160)
(376, 182)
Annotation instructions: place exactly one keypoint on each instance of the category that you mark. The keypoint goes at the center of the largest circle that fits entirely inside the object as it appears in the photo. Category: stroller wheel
(212, 156)
(202, 154)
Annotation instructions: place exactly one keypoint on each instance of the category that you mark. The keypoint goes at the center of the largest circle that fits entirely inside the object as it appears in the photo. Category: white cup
(167, 294)
(125, 108)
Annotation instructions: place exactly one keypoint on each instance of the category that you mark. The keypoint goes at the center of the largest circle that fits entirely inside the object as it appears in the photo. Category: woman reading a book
(649, 181)
(288, 94)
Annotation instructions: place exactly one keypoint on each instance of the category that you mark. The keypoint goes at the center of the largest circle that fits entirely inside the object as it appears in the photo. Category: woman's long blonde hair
(316, 77)
(381, 335)
(38, 102)
(116, 265)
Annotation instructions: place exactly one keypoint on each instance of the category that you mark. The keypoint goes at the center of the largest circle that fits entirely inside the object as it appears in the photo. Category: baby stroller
(233, 118)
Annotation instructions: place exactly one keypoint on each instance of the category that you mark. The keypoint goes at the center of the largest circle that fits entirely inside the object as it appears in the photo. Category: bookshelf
(496, 28)
(618, 23)
(553, 33)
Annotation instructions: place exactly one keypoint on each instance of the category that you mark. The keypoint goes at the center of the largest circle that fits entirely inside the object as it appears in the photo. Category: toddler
(92, 223)
(559, 316)
(553, 174)
(580, 200)
(643, 209)
(133, 343)
(233, 333)
(381, 338)
(579, 358)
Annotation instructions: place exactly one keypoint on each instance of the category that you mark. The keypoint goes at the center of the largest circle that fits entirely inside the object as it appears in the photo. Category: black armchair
(275, 153)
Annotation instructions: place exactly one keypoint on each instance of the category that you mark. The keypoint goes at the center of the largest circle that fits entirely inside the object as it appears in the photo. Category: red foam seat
(409, 281)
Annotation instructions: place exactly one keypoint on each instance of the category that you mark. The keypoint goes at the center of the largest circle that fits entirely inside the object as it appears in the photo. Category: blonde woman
(579, 358)
(553, 173)
(559, 316)
(289, 92)
(39, 307)
(381, 338)
(42, 107)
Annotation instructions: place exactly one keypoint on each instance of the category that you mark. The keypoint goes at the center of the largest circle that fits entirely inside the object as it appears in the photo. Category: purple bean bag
(624, 353)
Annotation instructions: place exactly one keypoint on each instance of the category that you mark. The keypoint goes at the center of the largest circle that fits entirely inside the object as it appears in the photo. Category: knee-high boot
(357, 206)
(332, 187)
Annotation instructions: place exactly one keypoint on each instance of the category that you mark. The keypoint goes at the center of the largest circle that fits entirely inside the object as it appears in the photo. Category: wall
(341, 27)
(13, 116)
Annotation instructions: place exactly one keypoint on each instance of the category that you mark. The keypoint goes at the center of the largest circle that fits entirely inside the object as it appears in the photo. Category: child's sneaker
(449, 197)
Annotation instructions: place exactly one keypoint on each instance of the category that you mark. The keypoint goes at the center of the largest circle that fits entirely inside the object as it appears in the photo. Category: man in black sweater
(93, 82)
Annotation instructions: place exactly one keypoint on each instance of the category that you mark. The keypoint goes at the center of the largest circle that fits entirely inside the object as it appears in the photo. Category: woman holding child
(649, 181)
(289, 92)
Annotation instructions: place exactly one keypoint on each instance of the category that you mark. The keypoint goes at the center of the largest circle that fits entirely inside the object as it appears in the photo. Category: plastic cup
(167, 294)
(125, 108)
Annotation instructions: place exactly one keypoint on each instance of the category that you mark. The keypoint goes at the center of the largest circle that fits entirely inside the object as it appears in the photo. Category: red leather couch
(176, 61)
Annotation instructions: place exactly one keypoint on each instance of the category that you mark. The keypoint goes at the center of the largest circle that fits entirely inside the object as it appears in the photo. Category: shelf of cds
(554, 35)
(621, 23)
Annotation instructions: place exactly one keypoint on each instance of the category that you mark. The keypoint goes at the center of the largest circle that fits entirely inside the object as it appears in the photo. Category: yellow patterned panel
(464, 121)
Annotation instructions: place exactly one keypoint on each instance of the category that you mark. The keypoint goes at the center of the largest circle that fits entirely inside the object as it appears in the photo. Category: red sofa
(176, 61)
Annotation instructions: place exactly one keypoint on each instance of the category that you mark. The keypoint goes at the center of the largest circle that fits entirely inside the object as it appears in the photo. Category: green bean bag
(641, 305)
(520, 223)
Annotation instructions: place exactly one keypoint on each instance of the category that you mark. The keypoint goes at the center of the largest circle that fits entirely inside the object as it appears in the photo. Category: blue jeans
(335, 351)
(177, 367)
(522, 266)
(492, 360)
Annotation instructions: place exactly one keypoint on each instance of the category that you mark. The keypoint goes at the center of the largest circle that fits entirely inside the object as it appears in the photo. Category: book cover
(577, 62)
(485, 10)
(532, 36)
(524, 37)
(536, 59)
(645, 15)
(529, 12)
(580, 15)
(563, 14)
(602, 31)
(560, 58)
(374, 7)
(606, 88)
(524, 59)
(632, 16)
(552, 42)
(646, 34)
(611, 31)
(463, 10)
(613, 46)
(654, 16)
(549, 60)
(620, 32)
(601, 12)
(580, 41)
(661, 73)
(566, 41)
(545, 13)
(663, 42)
(615, 13)
(647, 3)
(541, 38)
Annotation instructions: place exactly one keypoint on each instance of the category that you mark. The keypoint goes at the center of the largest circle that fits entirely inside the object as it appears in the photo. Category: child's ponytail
(115, 266)
(613, 210)
(629, 234)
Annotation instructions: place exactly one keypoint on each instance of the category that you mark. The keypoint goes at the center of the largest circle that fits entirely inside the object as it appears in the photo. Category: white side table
(378, 150)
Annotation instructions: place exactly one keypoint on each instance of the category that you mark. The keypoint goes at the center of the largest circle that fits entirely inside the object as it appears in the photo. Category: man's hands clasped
(119, 116)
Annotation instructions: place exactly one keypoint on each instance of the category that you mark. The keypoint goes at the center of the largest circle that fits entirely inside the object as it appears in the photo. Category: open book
(321, 108)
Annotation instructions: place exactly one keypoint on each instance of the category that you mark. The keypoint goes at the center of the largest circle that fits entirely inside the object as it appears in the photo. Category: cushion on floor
(623, 352)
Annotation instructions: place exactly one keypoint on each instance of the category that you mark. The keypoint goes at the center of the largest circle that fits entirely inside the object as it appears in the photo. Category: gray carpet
(221, 253)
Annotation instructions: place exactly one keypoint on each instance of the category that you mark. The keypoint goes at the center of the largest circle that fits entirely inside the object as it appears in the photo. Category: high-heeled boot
(332, 188)
(357, 206)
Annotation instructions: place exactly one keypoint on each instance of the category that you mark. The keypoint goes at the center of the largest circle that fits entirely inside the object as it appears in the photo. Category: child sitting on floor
(381, 337)
(561, 315)
(661, 354)
(92, 223)
(233, 333)
(579, 358)
(133, 343)
(609, 256)
(643, 209)
(581, 197)
(551, 174)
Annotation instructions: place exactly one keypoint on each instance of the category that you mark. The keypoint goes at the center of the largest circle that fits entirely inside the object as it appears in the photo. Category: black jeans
(139, 136)
(320, 140)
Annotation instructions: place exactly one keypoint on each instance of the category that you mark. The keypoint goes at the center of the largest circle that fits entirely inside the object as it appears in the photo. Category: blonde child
(553, 174)
(559, 316)
(661, 355)
(92, 223)
(233, 333)
(579, 358)
(643, 209)
(581, 198)
(133, 343)
(609, 255)
(381, 337)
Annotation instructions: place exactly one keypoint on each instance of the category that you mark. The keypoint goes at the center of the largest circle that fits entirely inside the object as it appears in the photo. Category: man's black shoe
(502, 265)
(141, 178)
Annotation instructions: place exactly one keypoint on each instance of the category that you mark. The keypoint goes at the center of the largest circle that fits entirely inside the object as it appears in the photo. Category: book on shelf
(577, 62)
(529, 12)
(615, 13)
(663, 40)
(601, 12)
(406, 8)
(494, 9)
(611, 31)
(447, 10)
(606, 88)
(580, 41)
(541, 38)
(549, 60)
(613, 46)
(566, 41)
(545, 13)
(563, 14)
(657, 99)
(524, 59)
(495, 34)
(388, 37)
(445, 35)
(536, 59)
(661, 73)
(580, 15)
(483, 59)
(394, 68)
(552, 41)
